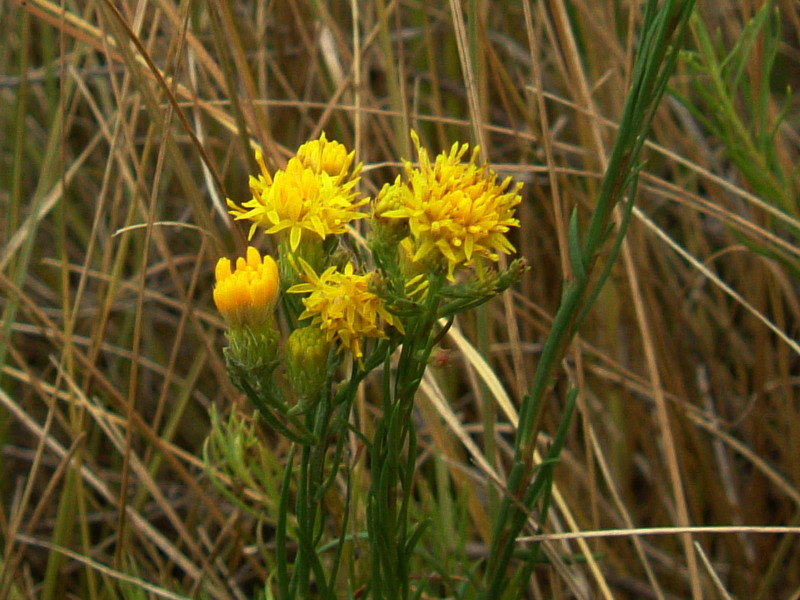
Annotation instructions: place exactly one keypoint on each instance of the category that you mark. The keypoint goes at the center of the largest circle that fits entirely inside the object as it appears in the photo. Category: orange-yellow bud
(247, 295)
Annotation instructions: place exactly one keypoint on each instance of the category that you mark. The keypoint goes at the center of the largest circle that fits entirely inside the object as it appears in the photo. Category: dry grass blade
(125, 126)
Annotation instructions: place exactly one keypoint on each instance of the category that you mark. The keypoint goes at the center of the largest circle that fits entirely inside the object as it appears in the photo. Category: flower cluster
(442, 216)
(341, 304)
(315, 193)
(455, 210)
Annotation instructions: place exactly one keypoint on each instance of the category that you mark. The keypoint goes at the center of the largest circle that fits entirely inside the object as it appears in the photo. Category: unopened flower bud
(307, 361)
(388, 229)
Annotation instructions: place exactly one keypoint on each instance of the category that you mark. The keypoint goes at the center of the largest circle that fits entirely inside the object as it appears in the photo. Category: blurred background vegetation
(125, 125)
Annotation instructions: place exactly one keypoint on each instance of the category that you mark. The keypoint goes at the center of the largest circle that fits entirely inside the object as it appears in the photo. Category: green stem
(280, 533)
(393, 456)
(662, 33)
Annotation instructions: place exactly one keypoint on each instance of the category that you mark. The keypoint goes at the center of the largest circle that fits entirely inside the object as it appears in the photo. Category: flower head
(247, 295)
(457, 211)
(324, 156)
(313, 195)
(341, 304)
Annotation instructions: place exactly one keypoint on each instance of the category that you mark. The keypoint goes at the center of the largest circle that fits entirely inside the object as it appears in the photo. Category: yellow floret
(247, 295)
(342, 306)
(324, 156)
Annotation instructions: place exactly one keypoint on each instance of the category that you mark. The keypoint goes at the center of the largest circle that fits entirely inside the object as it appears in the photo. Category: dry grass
(124, 127)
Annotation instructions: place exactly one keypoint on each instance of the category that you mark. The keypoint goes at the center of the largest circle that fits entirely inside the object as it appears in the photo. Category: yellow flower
(314, 193)
(323, 156)
(456, 210)
(247, 295)
(342, 306)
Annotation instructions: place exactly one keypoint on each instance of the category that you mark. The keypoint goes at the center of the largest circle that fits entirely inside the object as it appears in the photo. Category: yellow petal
(223, 269)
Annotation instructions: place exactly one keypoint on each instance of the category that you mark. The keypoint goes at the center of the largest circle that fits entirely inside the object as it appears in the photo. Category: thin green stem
(662, 33)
